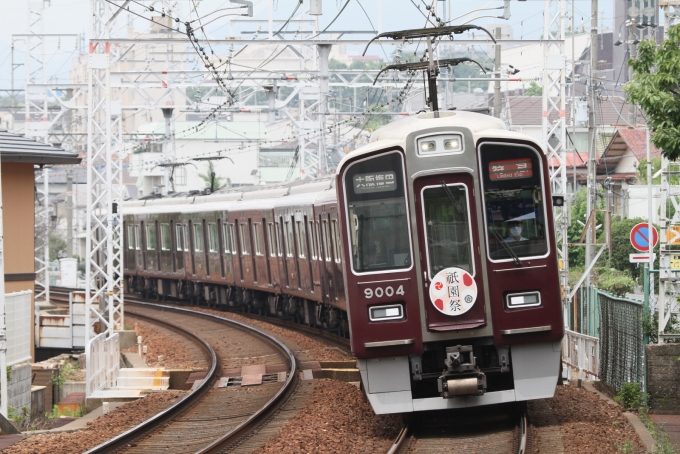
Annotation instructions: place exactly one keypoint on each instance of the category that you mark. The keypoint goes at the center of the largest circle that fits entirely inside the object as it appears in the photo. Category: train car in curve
(433, 248)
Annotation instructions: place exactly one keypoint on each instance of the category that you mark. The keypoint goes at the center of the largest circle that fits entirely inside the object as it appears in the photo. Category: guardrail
(581, 352)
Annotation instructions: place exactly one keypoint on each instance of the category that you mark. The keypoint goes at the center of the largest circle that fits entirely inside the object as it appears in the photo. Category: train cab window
(166, 241)
(244, 239)
(377, 214)
(131, 236)
(226, 236)
(272, 239)
(312, 240)
(514, 201)
(289, 239)
(138, 244)
(198, 237)
(257, 238)
(213, 242)
(448, 231)
(179, 237)
(150, 237)
(336, 240)
(326, 240)
(300, 227)
(279, 250)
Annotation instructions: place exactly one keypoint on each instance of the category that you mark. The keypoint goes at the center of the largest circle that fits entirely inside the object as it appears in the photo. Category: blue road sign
(639, 237)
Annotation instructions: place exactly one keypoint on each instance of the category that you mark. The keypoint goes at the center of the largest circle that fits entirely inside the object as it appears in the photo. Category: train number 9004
(379, 292)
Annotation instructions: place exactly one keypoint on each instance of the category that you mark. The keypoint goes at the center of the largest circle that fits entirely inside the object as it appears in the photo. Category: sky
(72, 17)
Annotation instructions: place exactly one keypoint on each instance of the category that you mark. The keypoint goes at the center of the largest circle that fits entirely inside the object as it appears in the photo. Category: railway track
(481, 429)
(492, 430)
(210, 419)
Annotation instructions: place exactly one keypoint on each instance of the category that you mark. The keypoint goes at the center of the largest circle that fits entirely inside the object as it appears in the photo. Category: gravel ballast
(336, 419)
(101, 429)
(591, 425)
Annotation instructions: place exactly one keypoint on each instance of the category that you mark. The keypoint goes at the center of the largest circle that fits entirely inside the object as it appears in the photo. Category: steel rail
(166, 415)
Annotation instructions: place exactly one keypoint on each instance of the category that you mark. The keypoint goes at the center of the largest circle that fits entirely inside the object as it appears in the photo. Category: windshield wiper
(518, 262)
(516, 259)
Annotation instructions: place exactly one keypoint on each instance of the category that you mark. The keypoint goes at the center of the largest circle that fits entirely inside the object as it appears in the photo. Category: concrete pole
(592, 132)
(497, 84)
(69, 212)
(324, 52)
(46, 248)
(3, 331)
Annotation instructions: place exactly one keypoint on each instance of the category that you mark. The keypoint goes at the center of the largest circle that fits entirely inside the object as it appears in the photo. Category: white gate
(103, 362)
(581, 352)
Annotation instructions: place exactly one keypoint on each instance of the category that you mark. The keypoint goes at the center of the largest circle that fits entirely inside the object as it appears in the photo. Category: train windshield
(377, 214)
(514, 202)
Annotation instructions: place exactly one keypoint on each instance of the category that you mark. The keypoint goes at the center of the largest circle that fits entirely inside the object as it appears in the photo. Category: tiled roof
(636, 139)
(17, 148)
(581, 160)
(528, 110)
(623, 140)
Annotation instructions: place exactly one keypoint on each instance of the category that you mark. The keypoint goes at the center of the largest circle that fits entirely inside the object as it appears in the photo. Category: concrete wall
(663, 370)
(18, 229)
(19, 387)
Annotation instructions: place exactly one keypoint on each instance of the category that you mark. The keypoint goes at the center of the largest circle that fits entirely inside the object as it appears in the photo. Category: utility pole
(592, 138)
(497, 70)
(69, 212)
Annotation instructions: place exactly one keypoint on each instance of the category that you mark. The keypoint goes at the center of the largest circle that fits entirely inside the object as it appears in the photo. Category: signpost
(639, 237)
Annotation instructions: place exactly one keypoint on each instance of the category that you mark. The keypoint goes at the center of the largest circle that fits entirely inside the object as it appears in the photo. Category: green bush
(613, 281)
(630, 396)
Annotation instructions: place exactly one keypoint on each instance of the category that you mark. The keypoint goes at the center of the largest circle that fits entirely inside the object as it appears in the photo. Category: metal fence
(18, 323)
(103, 362)
(621, 340)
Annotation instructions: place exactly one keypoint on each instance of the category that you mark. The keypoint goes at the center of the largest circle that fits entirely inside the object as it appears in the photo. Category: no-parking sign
(640, 237)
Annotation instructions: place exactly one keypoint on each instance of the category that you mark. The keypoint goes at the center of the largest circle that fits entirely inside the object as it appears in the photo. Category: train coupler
(462, 377)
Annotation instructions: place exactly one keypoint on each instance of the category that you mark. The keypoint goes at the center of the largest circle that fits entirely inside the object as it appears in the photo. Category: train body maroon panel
(432, 248)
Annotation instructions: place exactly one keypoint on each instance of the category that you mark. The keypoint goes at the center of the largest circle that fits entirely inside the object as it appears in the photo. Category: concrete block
(92, 403)
(38, 401)
(71, 387)
(127, 338)
(178, 378)
(347, 375)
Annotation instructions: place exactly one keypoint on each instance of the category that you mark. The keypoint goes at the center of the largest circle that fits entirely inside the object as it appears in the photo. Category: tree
(655, 87)
(57, 247)
(534, 89)
(212, 181)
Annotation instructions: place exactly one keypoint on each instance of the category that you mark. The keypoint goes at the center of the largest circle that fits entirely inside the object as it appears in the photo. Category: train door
(327, 258)
(336, 248)
(291, 261)
(139, 254)
(129, 229)
(272, 264)
(313, 247)
(180, 245)
(238, 238)
(445, 218)
(304, 272)
(281, 249)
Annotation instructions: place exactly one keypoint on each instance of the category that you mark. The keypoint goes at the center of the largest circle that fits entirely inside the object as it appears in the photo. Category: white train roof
(394, 134)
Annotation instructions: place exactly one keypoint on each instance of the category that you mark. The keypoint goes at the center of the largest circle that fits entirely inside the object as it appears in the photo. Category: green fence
(621, 340)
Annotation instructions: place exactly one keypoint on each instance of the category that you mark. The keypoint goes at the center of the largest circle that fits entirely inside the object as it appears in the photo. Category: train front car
(450, 264)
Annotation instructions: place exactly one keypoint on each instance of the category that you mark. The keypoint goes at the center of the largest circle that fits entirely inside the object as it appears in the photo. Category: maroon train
(432, 248)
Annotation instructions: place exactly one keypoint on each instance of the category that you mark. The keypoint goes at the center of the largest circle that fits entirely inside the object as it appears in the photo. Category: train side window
(131, 236)
(179, 234)
(257, 232)
(212, 238)
(166, 241)
(138, 245)
(289, 239)
(302, 250)
(326, 240)
(270, 231)
(279, 251)
(318, 240)
(232, 239)
(150, 237)
(244, 239)
(336, 240)
(198, 237)
(312, 240)
(226, 233)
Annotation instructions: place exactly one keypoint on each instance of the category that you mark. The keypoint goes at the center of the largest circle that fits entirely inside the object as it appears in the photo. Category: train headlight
(452, 144)
(388, 312)
(428, 146)
(522, 300)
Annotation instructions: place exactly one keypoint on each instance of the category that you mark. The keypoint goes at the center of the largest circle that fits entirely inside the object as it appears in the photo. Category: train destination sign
(510, 169)
(453, 291)
(375, 182)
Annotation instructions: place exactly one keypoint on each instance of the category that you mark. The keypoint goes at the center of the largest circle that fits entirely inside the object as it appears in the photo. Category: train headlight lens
(452, 144)
(521, 300)
(428, 146)
(390, 312)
